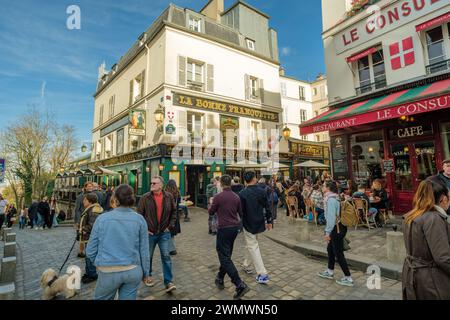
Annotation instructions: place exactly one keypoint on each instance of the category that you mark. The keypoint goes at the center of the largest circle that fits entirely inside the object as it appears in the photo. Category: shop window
(254, 129)
(371, 73)
(367, 151)
(446, 139)
(195, 127)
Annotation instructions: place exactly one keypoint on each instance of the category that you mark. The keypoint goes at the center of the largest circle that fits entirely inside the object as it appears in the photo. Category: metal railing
(438, 67)
(371, 87)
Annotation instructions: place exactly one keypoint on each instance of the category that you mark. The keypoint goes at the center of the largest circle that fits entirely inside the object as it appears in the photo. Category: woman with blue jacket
(119, 248)
(335, 233)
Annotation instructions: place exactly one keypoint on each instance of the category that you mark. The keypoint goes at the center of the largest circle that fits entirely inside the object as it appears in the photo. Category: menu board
(388, 166)
(339, 147)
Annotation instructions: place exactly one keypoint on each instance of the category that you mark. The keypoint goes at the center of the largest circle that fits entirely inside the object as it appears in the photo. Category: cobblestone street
(293, 276)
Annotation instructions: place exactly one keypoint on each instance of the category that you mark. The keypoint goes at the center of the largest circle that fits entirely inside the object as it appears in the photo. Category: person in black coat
(44, 211)
(236, 185)
(12, 212)
(33, 214)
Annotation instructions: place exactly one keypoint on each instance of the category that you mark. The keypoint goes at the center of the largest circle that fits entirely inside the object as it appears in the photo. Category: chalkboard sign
(340, 157)
(388, 166)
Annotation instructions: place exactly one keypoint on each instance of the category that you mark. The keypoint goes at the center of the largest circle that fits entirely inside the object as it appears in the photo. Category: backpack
(347, 215)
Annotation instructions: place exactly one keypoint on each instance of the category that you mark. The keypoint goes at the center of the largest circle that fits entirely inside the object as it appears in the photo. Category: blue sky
(42, 63)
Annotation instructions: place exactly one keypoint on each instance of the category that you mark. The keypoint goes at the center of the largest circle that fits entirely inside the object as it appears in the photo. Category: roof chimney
(282, 72)
(213, 9)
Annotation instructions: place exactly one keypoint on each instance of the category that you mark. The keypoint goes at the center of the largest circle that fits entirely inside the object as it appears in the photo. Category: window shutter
(182, 125)
(261, 90)
(131, 91)
(143, 84)
(182, 71)
(247, 87)
(249, 135)
(210, 77)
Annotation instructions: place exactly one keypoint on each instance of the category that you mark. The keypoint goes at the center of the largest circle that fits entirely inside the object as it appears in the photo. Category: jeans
(39, 221)
(185, 210)
(126, 282)
(91, 270)
(22, 222)
(336, 250)
(2, 220)
(163, 241)
(274, 210)
(320, 216)
(253, 254)
(224, 247)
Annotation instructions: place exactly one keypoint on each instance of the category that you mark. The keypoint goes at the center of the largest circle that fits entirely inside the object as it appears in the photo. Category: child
(23, 217)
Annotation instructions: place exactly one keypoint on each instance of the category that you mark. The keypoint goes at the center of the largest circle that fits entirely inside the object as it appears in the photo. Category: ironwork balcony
(438, 67)
(371, 87)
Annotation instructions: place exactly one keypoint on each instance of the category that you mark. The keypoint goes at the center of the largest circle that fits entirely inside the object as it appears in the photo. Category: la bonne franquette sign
(387, 19)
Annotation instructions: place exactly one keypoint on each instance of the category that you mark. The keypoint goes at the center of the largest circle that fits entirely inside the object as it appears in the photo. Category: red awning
(433, 22)
(431, 97)
(361, 54)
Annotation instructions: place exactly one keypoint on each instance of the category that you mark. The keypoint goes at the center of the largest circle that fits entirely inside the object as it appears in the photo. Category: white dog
(53, 285)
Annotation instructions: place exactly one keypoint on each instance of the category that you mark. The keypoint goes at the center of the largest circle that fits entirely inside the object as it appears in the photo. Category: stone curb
(388, 270)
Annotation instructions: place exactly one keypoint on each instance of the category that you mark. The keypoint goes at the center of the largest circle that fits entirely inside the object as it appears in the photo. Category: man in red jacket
(158, 209)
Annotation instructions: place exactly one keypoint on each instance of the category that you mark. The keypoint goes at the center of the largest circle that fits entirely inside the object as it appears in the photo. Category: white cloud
(286, 51)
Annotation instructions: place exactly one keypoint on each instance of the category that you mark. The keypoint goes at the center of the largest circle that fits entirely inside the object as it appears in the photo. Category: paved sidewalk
(293, 276)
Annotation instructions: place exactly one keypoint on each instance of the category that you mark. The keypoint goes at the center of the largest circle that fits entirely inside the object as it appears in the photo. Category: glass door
(413, 163)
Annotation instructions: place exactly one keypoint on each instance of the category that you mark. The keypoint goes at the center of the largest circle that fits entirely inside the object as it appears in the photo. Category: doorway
(413, 163)
(196, 185)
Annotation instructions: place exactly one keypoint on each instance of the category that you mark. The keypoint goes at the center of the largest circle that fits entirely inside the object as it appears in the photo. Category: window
(136, 142)
(301, 91)
(137, 86)
(371, 72)
(315, 91)
(98, 149)
(100, 121)
(112, 102)
(195, 75)
(250, 44)
(435, 48)
(367, 152)
(304, 138)
(316, 113)
(195, 127)
(283, 89)
(317, 138)
(445, 129)
(255, 127)
(195, 24)
(108, 146)
(302, 115)
(254, 87)
(120, 139)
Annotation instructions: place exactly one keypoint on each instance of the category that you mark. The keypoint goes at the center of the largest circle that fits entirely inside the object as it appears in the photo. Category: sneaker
(214, 233)
(326, 275)
(262, 279)
(241, 291)
(248, 270)
(187, 220)
(345, 282)
(173, 253)
(149, 282)
(81, 255)
(219, 284)
(170, 287)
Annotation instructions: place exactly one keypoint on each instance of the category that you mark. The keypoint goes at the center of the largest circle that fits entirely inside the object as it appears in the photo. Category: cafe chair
(362, 208)
(310, 208)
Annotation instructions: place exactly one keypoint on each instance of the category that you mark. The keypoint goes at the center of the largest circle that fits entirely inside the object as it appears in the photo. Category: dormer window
(250, 44)
(142, 38)
(195, 24)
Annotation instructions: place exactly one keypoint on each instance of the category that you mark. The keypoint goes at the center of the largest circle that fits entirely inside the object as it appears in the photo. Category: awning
(107, 172)
(431, 97)
(361, 54)
(433, 22)
(312, 164)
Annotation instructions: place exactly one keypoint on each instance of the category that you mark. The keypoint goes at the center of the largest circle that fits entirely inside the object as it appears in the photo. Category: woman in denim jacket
(118, 245)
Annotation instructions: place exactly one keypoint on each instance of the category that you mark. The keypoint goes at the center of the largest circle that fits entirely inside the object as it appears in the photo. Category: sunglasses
(155, 183)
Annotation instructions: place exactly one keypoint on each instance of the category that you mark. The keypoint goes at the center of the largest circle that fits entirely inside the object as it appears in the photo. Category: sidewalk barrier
(9, 250)
(4, 232)
(7, 291)
(395, 247)
(10, 237)
(8, 271)
(303, 232)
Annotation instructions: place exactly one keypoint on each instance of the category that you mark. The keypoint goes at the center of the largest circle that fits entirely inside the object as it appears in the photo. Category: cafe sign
(310, 151)
(224, 108)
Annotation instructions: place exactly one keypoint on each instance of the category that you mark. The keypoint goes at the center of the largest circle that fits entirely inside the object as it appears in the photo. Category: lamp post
(159, 117)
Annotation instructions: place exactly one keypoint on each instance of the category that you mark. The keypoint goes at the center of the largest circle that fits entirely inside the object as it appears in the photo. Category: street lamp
(286, 133)
(159, 117)
(83, 148)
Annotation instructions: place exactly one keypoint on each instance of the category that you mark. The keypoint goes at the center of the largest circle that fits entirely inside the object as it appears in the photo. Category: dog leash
(67, 258)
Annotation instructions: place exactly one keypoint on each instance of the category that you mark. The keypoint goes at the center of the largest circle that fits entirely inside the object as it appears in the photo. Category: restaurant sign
(224, 108)
(418, 107)
(310, 151)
